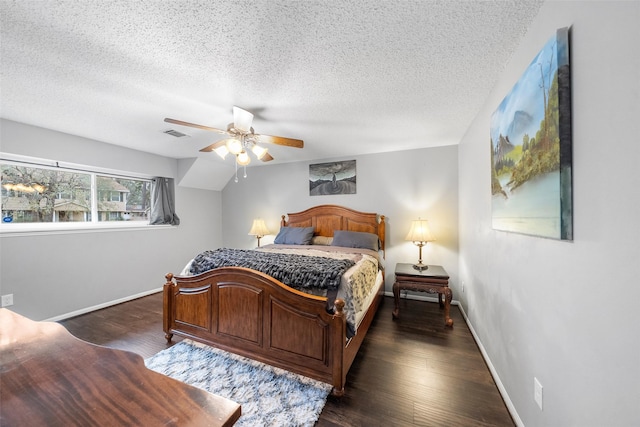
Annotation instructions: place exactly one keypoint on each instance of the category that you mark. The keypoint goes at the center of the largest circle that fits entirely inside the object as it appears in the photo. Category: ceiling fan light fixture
(242, 119)
(234, 146)
(259, 151)
(222, 151)
(242, 139)
(243, 158)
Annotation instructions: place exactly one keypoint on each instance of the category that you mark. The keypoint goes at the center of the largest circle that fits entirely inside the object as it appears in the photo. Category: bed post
(381, 231)
(167, 306)
(339, 373)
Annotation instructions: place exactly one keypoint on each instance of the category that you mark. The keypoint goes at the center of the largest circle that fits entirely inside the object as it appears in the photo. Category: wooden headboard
(327, 218)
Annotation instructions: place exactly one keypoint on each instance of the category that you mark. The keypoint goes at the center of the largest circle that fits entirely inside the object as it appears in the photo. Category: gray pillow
(294, 236)
(355, 239)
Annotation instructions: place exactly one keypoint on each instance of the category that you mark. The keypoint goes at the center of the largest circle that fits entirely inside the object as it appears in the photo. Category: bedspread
(356, 284)
(298, 271)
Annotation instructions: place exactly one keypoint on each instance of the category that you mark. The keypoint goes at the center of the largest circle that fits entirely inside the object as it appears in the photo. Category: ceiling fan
(242, 139)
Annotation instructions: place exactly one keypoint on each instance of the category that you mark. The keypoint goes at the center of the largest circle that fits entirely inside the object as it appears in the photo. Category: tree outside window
(48, 195)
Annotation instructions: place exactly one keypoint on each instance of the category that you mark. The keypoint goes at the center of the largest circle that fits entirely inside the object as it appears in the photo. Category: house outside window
(34, 194)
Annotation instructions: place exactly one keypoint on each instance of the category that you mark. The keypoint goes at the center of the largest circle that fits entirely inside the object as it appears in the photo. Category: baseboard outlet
(100, 306)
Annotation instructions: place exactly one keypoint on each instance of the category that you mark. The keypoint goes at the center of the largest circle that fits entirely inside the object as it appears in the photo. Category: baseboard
(503, 392)
(99, 306)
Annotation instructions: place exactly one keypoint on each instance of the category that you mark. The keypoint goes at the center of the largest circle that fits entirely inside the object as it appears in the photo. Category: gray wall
(52, 275)
(75, 272)
(565, 312)
(400, 185)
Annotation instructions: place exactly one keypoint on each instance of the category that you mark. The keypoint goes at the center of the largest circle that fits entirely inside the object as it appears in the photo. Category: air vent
(175, 133)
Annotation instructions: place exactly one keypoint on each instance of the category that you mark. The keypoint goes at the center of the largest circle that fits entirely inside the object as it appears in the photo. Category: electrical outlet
(537, 392)
(7, 300)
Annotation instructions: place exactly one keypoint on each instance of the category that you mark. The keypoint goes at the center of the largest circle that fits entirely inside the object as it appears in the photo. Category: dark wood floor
(409, 372)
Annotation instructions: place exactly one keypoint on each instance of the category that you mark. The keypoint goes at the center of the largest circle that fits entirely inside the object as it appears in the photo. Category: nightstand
(433, 280)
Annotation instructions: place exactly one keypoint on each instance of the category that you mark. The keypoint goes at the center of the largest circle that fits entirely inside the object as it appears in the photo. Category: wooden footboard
(250, 313)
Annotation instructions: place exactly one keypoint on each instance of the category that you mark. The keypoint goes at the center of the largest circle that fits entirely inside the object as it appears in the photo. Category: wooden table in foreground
(433, 280)
(49, 377)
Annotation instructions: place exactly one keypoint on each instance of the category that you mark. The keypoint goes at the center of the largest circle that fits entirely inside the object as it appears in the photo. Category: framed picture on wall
(531, 157)
(332, 178)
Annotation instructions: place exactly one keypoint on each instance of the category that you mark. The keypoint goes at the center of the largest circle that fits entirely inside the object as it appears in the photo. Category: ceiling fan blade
(267, 157)
(280, 140)
(242, 119)
(213, 146)
(193, 125)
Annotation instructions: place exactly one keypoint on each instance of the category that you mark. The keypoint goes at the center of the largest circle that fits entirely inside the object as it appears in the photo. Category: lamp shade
(259, 151)
(234, 146)
(243, 158)
(242, 119)
(222, 151)
(259, 228)
(420, 231)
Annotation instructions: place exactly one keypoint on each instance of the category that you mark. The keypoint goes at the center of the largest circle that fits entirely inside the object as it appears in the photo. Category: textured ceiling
(347, 76)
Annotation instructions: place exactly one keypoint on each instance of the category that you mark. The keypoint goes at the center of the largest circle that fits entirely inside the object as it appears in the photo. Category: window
(41, 194)
(123, 199)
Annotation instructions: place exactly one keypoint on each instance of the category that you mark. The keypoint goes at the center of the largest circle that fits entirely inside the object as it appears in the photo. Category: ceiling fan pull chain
(245, 171)
(236, 171)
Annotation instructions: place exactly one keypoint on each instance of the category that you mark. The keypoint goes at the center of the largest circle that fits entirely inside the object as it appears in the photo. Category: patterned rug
(269, 396)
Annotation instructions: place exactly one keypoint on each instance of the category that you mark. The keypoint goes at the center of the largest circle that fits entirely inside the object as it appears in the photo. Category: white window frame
(14, 229)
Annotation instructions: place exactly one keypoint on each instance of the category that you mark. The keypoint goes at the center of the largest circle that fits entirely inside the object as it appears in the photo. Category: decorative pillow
(355, 239)
(321, 240)
(294, 236)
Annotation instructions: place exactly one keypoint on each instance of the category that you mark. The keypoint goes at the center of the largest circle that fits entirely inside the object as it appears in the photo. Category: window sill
(74, 228)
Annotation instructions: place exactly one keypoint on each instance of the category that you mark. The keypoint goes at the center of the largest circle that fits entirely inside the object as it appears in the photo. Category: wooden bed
(252, 314)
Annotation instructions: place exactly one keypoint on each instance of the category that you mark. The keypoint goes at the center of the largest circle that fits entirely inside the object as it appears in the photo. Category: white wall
(565, 312)
(400, 185)
(52, 275)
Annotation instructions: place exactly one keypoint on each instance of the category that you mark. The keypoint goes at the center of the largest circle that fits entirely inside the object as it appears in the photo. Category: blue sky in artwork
(526, 96)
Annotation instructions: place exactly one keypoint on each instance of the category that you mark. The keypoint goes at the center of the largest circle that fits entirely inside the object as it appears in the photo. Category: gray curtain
(163, 204)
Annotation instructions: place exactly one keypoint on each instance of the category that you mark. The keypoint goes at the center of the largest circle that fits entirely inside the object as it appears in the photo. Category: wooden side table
(433, 280)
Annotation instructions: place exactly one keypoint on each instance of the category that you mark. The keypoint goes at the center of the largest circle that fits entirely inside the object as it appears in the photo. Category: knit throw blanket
(297, 271)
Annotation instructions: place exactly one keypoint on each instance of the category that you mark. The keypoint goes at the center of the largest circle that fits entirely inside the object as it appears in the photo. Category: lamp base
(420, 266)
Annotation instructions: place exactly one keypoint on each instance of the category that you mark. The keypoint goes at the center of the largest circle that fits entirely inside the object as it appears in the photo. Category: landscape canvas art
(332, 178)
(531, 160)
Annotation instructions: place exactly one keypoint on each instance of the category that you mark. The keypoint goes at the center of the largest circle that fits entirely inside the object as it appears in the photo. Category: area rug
(269, 396)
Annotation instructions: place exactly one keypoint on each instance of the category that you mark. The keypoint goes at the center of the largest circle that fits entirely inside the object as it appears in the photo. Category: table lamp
(420, 234)
(258, 229)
